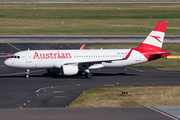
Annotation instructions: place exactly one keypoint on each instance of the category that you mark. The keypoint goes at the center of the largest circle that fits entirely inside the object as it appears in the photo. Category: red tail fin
(151, 47)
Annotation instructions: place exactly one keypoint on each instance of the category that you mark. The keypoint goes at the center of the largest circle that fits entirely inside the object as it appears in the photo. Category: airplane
(72, 62)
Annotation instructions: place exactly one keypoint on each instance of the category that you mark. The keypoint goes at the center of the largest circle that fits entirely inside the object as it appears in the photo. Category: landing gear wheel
(26, 76)
(88, 75)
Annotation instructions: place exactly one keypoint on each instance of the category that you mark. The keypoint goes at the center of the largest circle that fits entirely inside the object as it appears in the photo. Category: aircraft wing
(87, 64)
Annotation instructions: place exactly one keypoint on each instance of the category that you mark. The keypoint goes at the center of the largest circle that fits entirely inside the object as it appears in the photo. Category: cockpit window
(17, 57)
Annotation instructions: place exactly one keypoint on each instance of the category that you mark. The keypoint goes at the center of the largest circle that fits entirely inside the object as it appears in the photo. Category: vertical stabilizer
(151, 47)
(155, 39)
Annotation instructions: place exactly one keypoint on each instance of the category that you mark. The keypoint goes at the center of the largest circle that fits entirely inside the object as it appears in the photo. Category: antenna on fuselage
(28, 49)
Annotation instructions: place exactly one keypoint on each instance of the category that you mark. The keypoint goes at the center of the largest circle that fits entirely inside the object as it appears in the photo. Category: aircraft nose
(7, 63)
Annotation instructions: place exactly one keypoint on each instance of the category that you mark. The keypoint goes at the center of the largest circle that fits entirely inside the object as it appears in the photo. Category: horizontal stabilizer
(82, 48)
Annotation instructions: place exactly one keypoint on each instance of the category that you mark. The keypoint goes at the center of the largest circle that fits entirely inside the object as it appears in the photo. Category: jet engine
(69, 70)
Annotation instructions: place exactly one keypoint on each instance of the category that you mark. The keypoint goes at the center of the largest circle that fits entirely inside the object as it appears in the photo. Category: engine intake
(69, 70)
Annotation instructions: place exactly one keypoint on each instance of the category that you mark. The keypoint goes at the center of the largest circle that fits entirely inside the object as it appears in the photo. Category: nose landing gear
(27, 73)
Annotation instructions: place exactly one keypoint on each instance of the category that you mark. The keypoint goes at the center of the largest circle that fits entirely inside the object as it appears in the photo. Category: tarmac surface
(82, 114)
(46, 96)
(81, 38)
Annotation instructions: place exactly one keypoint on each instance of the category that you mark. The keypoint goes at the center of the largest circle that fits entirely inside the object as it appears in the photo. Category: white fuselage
(56, 58)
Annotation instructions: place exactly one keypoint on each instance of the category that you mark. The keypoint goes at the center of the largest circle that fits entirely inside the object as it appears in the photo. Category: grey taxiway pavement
(48, 95)
(81, 38)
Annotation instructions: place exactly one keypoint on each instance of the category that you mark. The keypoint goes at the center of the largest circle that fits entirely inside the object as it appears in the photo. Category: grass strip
(87, 19)
(139, 96)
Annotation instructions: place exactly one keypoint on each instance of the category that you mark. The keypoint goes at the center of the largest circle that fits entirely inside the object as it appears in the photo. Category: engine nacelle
(69, 70)
(54, 70)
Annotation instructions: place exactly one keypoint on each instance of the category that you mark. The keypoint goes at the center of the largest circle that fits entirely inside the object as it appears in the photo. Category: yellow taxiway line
(173, 57)
(13, 46)
(2, 66)
(21, 73)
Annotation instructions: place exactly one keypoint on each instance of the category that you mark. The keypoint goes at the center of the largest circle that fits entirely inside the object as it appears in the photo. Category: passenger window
(18, 57)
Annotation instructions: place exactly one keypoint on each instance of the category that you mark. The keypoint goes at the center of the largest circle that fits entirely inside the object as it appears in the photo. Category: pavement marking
(113, 73)
(105, 72)
(2, 66)
(42, 89)
(135, 69)
(173, 57)
(21, 73)
(6, 53)
(45, 88)
(110, 85)
(13, 46)
(60, 96)
(162, 113)
(174, 111)
(58, 91)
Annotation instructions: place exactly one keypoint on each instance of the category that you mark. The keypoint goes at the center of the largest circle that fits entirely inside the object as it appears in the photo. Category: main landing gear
(88, 74)
(27, 73)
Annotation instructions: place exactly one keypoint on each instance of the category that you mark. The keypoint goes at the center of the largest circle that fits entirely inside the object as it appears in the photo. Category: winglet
(82, 48)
